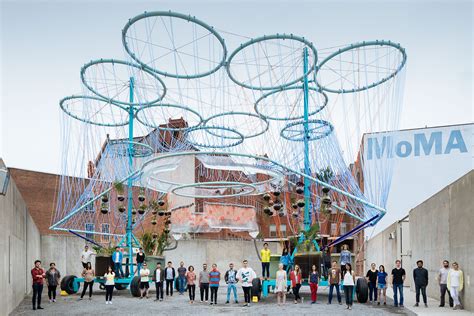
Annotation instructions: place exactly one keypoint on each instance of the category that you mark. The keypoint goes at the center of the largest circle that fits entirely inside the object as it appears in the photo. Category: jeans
(372, 291)
(443, 289)
(423, 293)
(118, 269)
(109, 290)
(181, 283)
(231, 287)
(266, 268)
(314, 291)
(397, 288)
(214, 294)
(169, 287)
(87, 284)
(247, 293)
(37, 290)
(348, 292)
(296, 292)
(159, 290)
(331, 289)
(192, 291)
(204, 289)
(52, 291)
(139, 267)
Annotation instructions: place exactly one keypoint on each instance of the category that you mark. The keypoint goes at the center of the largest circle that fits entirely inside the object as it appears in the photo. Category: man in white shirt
(159, 280)
(246, 276)
(86, 256)
(443, 284)
(144, 281)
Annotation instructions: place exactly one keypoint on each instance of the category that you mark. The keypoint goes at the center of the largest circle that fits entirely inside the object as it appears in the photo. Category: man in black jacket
(420, 276)
(170, 275)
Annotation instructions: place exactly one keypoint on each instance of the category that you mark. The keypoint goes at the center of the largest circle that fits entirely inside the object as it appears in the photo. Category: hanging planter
(134, 211)
(133, 221)
(326, 199)
(266, 210)
(153, 221)
(141, 196)
(295, 214)
(119, 188)
(155, 235)
(277, 206)
(168, 221)
(300, 203)
(142, 209)
(267, 197)
(166, 231)
(281, 214)
(294, 206)
(299, 187)
(121, 208)
(104, 209)
(105, 198)
(154, 212)
(271, 213)
(161, 202)
(161, 212)
(276, 193)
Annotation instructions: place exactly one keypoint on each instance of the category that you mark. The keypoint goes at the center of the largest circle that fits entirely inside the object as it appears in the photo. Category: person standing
(280, 284)
(246, 276)
(214, 279)
(170, 275)
(181, 278)
(117, 258)
(371, 277)
(295, 278)
(191, 279)
(382, 284)
(144, 281)
(443, 284)
(204, 283)
(334, 278)
(86, 256)
(159, 280)
(313, 283)
(398, 277)
(349, 282)
(109, 285)
(345, 258)
(285, 258)
(420, 277)
(455, 284)
(230, 278)
(52, 280)
(265, 257)
(88, 274)
(38, 275)
(140, 260)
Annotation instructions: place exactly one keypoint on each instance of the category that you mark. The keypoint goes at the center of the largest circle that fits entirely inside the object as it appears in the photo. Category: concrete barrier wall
(19, 247)
(441, 228)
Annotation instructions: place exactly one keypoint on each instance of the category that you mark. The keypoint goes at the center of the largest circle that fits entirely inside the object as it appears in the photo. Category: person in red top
(295, 277)
(38, 275)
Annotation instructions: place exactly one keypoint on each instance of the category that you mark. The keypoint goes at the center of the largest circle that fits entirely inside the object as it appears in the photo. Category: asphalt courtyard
(125, 304)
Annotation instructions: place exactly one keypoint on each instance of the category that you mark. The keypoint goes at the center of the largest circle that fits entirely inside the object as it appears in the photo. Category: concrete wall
(441, 228)
(19, 247)
(65, 251)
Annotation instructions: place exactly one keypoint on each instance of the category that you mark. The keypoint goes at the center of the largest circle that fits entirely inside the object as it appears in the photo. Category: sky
(43, 45)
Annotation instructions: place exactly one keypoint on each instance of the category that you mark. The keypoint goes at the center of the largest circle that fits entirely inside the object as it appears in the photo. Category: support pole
(307, 169)
(130, 181)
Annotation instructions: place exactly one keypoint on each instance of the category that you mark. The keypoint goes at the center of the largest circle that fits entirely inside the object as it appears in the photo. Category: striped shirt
(214, 278)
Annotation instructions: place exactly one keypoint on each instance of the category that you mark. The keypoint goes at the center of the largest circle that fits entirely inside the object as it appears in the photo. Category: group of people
(449, 280)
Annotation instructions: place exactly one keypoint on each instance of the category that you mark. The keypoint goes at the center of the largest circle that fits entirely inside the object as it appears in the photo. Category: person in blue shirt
(117, 258)
(285, 258)
(382, 284)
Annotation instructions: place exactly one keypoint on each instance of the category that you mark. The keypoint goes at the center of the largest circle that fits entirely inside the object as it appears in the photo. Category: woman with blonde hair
(280, 284)
(455, 284)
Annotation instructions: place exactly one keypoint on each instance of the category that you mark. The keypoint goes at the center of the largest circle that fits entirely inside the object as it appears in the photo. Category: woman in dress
(280, 284)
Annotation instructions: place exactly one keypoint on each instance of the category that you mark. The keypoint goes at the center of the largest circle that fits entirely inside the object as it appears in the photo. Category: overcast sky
(44, 44)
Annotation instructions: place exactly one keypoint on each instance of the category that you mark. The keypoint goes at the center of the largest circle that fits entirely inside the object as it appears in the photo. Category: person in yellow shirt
(265, 257)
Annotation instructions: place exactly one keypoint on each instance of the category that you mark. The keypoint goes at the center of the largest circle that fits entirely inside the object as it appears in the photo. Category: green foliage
(104, 251)
(154, 246)
(118, 186)
(325, 175)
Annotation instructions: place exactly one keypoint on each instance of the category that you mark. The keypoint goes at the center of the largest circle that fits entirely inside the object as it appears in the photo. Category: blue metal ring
(318, 109)
(207, 128)
(257, 133)
(128, 64)
(188, 18)
(358, 45)
(266, 38)
(140, 150)
(215, 185)
(322, 124)
(165, 105)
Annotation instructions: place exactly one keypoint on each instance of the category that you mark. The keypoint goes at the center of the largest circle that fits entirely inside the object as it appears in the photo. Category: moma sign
(416, 143)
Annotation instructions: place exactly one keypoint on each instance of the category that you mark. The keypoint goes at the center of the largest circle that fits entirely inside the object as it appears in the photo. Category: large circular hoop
(203, 190)
(245, 114)
(143, 118)
(121, 148)
(187, 18)
(238, 138)
(114, 111)
(356, 46)
(289, 37)
(136, 84)
(290, 118)
(317, 129)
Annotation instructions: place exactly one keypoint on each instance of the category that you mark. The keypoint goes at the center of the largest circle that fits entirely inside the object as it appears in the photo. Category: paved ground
(125, 304)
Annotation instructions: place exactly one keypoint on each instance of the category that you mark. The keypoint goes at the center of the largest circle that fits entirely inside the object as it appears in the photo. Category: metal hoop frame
(355, 46)
(125, 63)
(319, 109)
(266, 38)
(258, 133)
(238, 141)
(322, 123)
(215, 185)
(72, 97)
(146, 150)
(158, 105)
(185, 17)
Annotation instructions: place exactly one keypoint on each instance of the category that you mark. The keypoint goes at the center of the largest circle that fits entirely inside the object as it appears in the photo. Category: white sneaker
(110, 302)
(106, 302)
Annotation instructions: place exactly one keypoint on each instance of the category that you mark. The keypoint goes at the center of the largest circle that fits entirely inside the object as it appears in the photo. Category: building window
(343, 228)
(106, 230)
(274, 233)
(89, 228)
(283, 230)
(333, 228)
(90, 206)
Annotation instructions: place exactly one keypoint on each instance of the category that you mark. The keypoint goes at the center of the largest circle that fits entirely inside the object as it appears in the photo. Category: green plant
(119, 187)
(312, 232)
(154, 245)
(325, 175)
(104, 251)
